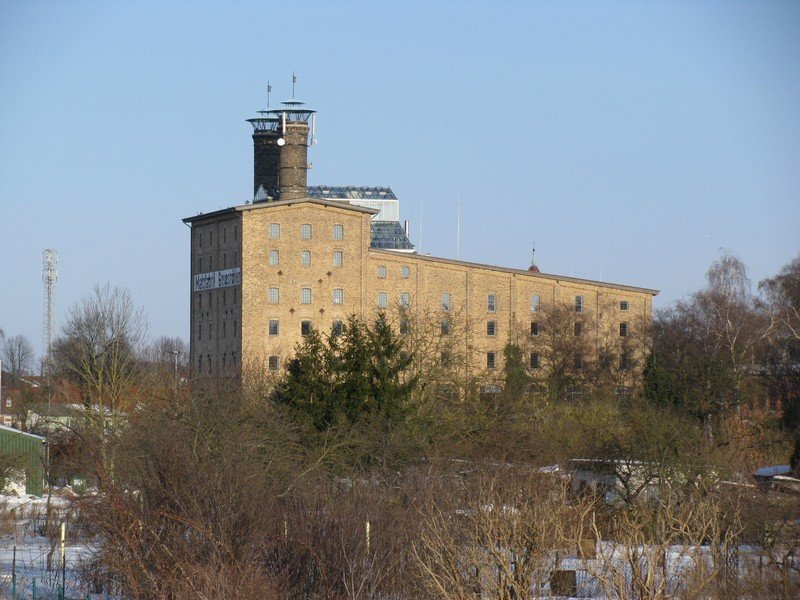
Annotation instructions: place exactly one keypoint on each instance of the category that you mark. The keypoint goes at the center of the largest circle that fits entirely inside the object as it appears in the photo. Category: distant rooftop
(389, 235)
(350, 192)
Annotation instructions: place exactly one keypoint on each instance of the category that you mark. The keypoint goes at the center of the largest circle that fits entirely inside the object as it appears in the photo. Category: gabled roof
(267, 205)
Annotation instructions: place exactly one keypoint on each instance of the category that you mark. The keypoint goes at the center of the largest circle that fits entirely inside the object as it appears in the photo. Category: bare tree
(17, 356)
(98, 350)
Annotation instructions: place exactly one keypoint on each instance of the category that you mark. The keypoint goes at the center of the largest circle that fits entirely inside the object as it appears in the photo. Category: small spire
(533, 268)
(294, 80)
(269, 91)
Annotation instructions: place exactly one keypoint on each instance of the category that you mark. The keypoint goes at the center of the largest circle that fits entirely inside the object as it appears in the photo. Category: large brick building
(296, 258)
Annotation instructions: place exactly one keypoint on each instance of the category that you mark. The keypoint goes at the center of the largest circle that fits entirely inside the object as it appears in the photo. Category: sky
(632, 142)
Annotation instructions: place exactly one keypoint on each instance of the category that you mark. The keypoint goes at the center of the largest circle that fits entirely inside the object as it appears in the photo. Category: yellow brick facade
(366, 277)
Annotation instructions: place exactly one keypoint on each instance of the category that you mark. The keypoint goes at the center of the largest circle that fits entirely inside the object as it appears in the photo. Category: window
(578, 304)
(223, 328)
(578, 328)
(200, 264)
(274, 363)
(535, 303)
(223, 361)
(491, 302)
(444, 359)
(235, 330)
(224, 298)
(200, 237)
(405, 272)
(200, 364)
(210, 238)
(577, 361)
(274, 295)
(491, 361)
(574, 393)
(274, 327)
(445, 327)
(624, 361)
(534, 328)
(305, 296)
(274, 258)
(445, 301)
(381, 272)
(338, 296)
(383, 300)
(405, 299)
(534, 360)
(235, 233)
(337, 258)
(623, 305)
(491, 327)
(274, 234)
(305, 231)
(305, 327)
(224, 235)
(305, 258)
(404, 327)
(233, 358)
(337, 328)
(338, 232)
(199, 331)
(235, 295)
(623, 330)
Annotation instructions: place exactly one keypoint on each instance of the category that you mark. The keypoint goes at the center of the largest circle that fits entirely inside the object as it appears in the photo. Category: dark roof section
(350, 192)
(389, 235)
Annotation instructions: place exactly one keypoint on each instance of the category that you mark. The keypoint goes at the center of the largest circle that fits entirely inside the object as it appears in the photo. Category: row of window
(535, 361)
(208, 364)
(491, 301)
(306, 231)
(405, 272)
(223, 298)
(223, 329)
(211, 236)
(305, 258)
(224, 261)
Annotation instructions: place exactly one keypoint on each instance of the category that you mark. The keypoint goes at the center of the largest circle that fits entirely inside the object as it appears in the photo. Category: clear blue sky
(631, 141)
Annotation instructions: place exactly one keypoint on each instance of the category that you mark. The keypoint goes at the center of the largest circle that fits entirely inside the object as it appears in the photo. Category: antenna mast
(458, 228)
(49, 276)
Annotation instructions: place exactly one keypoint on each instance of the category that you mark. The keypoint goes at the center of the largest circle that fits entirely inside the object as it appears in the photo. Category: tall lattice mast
(49, 276)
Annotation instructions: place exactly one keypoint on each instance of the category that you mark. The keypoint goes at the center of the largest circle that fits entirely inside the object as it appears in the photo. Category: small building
(26, 449)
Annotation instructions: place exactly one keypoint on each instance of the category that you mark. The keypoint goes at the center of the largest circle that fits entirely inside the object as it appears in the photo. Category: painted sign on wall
(216, 279)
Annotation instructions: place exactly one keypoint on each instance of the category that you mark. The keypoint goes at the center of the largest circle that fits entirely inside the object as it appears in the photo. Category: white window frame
(381, 272)
(578, 304)
(277, 325)
(383, 300)
(274, 231)
(305, 295)
(305, 258)
(338, 258)
(274, 295)
(338, 296)
(338, 232)
(405, 299)
(491, 303)
(535, 300)
(306, 231)
(274, 258)
(446, 302)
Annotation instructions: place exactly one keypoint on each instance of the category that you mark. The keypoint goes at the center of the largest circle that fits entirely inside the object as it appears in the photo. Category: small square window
(405, 272)
(491, 328)
(534, 362)
(404, 327)
(623, 330)
(274, 327)
(381, 272)
(535, 303)
(305, 296)
(445, 301)
(274, 258)
(534, 328)
(491, 302)
(305, 258)
(305, 327)
(578, 304)
(405, 299)
(274, 295)
(337, 258)
(274, 363)
(305, 231)
(491, 360)
(445, 327)
(337, 328)
(623, 305)
(383, 300)
(338, 232)
(274, 232)
(578, 328)
(338, 296)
